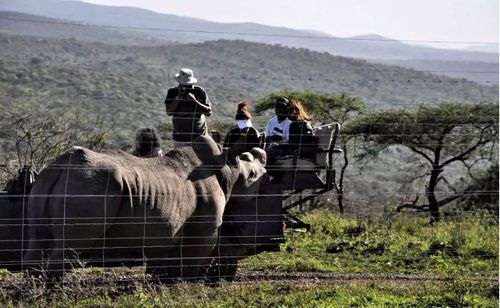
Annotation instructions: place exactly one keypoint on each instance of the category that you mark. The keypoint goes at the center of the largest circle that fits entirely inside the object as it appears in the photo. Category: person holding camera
(188, 105)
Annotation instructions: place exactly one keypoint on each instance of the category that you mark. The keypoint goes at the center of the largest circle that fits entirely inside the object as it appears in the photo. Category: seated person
(147, 143)
(244, 132)
(277, 127)
(301, 135)
(301, 140)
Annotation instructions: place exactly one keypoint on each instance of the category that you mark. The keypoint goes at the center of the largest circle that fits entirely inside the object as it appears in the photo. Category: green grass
(460, 255)
(373, 294)
(395, 245)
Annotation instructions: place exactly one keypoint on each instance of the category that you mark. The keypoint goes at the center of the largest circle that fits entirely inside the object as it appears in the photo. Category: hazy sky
(442, 20)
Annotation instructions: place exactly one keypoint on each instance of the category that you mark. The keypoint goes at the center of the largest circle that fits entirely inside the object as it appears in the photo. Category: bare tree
(31, 134)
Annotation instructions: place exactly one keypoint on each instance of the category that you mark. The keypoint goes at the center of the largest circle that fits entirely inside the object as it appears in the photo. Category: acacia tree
(326, 108)
(442, 135)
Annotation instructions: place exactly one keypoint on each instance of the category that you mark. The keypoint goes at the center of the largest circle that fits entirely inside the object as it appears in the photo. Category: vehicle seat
(303, 173)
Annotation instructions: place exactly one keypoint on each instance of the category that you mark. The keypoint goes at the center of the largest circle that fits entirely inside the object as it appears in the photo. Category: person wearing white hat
(187, 104)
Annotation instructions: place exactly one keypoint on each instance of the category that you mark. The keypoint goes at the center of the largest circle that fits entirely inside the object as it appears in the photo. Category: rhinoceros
(251, 224)
(13, 218)
(165, 211)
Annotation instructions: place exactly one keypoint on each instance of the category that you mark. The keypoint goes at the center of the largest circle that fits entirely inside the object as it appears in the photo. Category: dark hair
(243, 113)
(283, 101)
(146, 139)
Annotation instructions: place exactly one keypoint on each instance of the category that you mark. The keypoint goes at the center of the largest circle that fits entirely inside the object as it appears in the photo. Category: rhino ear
(259, 154)
(228, 157)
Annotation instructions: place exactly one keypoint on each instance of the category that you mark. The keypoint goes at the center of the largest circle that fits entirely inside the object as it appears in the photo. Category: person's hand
(276, 138)
(181, 94)
(191, 96)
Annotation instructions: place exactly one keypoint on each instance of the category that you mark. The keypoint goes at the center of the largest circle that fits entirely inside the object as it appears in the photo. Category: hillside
(369, 47)
(481, 67)
(481, 72)
(127, 84)
(484, 48)
(13, 23)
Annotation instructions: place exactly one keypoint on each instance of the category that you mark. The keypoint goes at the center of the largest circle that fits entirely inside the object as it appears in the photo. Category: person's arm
(308, 134)
(268, 128)
(203, 109)
(204, 104)
(227, 140)
(253, 138)
(294, 133)
(171, 102)
(301, 139)
(286, 131)
(269, 132)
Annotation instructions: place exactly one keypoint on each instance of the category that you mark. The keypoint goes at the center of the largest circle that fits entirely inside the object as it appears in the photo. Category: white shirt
(275, 128)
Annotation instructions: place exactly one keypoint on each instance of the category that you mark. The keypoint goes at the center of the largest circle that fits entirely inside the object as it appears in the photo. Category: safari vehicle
(257, 226)
(248, 228)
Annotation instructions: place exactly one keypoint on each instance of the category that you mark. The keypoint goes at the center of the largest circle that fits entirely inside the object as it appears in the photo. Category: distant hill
(10, 22)
(127, 84)
(368, 47)
(493, 48)
(482, 72)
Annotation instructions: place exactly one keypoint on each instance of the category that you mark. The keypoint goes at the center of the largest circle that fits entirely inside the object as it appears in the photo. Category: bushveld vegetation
(127, 84)
(122, 88)
(57, 93)
(397, 260)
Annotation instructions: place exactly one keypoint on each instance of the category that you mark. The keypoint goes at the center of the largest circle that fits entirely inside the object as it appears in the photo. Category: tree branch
(464, 154)
(425, 207)
(414, 149)
(449, 199)
(448, 184)
(413, 205)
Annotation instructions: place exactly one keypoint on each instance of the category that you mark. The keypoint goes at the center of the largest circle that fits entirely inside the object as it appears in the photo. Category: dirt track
(335, 278)
(122, 281)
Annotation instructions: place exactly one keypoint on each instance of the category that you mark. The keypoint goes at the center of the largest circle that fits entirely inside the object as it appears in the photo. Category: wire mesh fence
(157, 215)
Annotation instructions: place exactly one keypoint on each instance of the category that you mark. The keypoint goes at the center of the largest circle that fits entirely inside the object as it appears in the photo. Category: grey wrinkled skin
(113, 208)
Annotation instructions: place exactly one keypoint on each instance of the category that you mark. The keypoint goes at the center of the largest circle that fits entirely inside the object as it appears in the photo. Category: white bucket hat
(186, 77)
